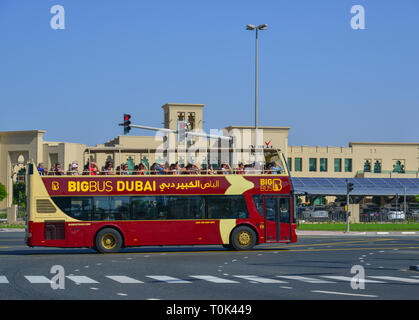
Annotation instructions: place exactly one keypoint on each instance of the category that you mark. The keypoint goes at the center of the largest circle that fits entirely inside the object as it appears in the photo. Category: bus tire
(108, 240)
(243, 238)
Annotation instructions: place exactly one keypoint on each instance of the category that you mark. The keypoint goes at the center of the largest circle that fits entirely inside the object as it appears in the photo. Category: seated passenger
(57, 170)
(74, 169)
(161, 169)
(124, 169)
(211, 169)
(142, 169)
(172, 169)
(153, 168)
(239, 169)
(93, 168)
(108, 169)
(41, 169)
(225, 168)
(276, 168)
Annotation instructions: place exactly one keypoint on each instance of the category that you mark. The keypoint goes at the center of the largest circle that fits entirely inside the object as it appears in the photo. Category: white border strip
(346, 294)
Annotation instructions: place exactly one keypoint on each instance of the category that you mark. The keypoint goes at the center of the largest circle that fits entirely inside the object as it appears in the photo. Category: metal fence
(339, 215)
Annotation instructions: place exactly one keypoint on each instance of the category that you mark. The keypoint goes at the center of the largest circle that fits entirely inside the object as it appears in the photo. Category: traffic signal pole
(349, 188)
(347, 212)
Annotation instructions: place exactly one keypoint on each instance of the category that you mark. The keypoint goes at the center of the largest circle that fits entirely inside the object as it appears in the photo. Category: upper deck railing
(166, 173)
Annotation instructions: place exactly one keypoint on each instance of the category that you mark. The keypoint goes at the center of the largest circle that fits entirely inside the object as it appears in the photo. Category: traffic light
(127, 123)
(349, 187)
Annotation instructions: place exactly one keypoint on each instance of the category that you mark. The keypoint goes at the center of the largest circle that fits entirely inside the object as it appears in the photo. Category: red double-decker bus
(237, 211)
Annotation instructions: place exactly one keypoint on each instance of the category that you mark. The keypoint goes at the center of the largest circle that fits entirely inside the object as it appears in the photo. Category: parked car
(393, 214)
(315, 214)
(368, 215)
(413, 214)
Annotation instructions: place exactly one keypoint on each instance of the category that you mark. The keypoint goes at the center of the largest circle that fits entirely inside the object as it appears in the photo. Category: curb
(414, 268)
(12, 229)
(353, 233)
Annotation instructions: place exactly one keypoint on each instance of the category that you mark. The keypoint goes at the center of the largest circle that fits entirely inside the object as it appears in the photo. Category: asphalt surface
(314, 268)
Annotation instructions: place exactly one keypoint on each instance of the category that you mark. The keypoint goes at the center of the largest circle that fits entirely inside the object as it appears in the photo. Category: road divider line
(305, 279)
(346, 294)
(408, 280)
(214, 279)
(259, 279)
(81, 279)
(3, 279)
(343, 278)
(124, 279)
(38, 279)
(168, 279)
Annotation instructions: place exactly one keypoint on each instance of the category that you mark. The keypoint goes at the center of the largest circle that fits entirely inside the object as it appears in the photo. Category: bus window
(258, 199)
(76, 207)
(284, 207)
(120, 207)
(192, 207)
(149, 208)
(101, 208)
(227, 207)
(271, 207)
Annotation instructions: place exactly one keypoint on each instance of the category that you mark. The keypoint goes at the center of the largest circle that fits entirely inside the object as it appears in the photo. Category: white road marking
(168, 279)
(408, 280)
(38, 279)
(306, 279)
(81, 279)
(260, 279)
(213, 279)
(346, 294)
(124, 279)
(3, 279)
(350, 278)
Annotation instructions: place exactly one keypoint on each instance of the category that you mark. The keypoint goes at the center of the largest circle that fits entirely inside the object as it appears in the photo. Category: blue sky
(331, 84)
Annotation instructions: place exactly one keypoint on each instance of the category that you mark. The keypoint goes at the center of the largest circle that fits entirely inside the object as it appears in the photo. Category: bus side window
(239, 208)
(227, 207)
(186, 207)
(120, 208)
(258, 199)
(140, 208)
(101, 208)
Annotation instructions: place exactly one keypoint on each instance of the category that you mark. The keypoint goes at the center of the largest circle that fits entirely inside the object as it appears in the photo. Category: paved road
(317, 267)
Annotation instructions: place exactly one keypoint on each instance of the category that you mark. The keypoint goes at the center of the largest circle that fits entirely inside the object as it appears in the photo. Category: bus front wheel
(108, 240)
(243, 238)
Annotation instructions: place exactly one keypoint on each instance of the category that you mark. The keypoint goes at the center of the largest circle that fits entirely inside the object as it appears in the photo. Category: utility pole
(349, 188)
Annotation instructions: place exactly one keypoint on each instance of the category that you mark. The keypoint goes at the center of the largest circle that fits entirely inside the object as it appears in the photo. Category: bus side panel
(172, 232)
(294, 233)
(40, 236)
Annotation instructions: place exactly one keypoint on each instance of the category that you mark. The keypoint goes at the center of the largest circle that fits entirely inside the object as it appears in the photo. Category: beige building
(359, 159)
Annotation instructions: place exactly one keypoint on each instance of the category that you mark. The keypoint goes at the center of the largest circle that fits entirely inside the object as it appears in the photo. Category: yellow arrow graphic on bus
(238, 184)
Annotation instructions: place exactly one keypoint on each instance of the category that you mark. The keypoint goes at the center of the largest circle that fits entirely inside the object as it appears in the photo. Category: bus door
(277, 212)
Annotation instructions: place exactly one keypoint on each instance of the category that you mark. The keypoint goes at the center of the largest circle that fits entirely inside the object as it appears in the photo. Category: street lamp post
(257, 28)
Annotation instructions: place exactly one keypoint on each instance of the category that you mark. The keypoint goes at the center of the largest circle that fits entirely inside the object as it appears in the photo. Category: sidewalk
(354, 233)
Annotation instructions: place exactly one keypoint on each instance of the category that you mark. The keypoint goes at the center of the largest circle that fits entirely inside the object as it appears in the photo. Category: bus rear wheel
(108, 240)
(243, 238)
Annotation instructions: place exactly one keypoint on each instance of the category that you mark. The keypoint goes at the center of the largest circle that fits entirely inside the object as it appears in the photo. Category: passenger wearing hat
(74, 169)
